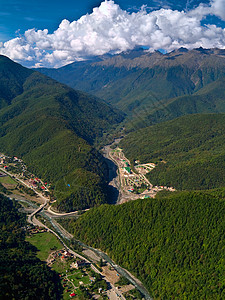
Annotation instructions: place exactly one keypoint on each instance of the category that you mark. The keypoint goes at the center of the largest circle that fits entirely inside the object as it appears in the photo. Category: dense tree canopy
(189, 151)
(23, 275)
(174, 243)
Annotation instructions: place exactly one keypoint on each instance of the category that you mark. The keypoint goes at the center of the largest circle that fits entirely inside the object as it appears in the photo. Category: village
(18, 169)
(134, 184)
(77, 275)
(80, 275)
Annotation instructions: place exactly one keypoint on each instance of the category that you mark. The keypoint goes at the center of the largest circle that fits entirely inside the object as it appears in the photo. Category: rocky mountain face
(141, 82)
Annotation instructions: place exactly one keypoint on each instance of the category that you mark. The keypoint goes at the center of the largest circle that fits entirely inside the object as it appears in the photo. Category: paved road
(73, 213)
(113, 288)
(46, 200)
(114, 293)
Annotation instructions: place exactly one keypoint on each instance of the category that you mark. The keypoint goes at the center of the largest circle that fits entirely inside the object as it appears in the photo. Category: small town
(18, 169)
(81, 273)
(134, 184)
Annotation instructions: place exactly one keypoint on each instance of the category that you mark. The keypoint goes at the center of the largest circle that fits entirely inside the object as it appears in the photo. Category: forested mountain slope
(51, 127)
(209, 99)
(12, 78)
(138, 81)
(23, 275)
(189, 151)
(175, 245)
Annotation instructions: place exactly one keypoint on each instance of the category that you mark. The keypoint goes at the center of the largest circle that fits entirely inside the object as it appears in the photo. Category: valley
(40, 218)
(132, 185)
(117, 183)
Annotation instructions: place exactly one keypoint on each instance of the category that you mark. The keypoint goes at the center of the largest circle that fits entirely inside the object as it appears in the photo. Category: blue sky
(182, 23)
(16, 16)
(40, 14)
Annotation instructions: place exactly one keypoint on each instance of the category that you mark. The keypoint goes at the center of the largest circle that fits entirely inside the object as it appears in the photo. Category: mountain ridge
(52, 128)
(139, 81)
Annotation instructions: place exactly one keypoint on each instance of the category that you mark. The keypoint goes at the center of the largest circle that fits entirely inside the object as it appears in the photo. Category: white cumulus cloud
(110, 29)
(218, 8)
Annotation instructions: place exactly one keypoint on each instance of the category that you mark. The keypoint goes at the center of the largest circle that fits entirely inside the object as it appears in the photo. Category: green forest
(140, 82)
(209, 99)
(174, 243)
(53, 129)
(23, 275)
(189, 151)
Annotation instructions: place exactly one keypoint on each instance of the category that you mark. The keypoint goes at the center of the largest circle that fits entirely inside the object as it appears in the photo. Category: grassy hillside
(189, 151)
(175, 245)
(52, 128)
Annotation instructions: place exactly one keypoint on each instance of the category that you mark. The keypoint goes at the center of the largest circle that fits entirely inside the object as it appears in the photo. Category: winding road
(62, 235)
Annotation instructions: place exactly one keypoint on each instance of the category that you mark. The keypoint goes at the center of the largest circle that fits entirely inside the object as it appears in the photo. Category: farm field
(8, 182)
(45, 243)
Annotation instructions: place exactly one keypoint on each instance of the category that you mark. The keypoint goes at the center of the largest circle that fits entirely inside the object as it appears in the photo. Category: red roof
(72, 295)
(42, 187)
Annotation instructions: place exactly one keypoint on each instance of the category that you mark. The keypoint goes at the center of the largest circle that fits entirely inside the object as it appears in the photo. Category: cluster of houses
(64, 255)
(3, 162)
(36, 229)
(34, 182)
(37, 183)
(79, 264)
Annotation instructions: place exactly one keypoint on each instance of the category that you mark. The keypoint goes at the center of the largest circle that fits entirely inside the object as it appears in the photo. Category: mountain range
(173, 111)
(151, 85)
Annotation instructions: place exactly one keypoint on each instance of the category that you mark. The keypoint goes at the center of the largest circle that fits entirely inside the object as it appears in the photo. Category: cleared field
(8, 180)
(45, 243)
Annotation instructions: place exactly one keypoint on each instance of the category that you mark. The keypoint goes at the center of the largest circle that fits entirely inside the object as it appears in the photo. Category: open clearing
(8, 182)
(45, 243)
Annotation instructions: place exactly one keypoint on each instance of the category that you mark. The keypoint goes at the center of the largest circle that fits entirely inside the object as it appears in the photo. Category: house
(79, 264)
(66, 253)
(72, 295)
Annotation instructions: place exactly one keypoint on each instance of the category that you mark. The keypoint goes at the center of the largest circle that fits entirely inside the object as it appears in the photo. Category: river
(114, 193)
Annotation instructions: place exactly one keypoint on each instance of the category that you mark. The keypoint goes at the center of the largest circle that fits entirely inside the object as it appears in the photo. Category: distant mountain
(189, 151)
(209, 99)
(52, 128)
(141, 82)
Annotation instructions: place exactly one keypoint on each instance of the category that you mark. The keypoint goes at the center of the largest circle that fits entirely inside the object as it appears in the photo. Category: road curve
(32, 219)
(52, 212)
(39, 223)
